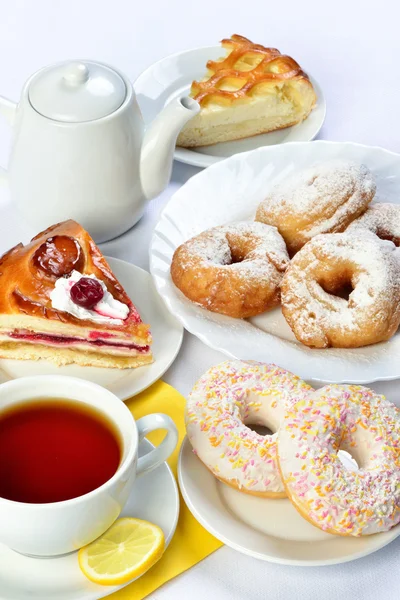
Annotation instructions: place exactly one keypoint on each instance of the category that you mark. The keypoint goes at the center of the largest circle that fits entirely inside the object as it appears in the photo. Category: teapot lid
(75, 92)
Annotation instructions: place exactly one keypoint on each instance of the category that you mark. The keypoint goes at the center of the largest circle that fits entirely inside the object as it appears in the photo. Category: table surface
(351, 49)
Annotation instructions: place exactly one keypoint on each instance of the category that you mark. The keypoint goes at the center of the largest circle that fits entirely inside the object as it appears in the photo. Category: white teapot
(80, 150)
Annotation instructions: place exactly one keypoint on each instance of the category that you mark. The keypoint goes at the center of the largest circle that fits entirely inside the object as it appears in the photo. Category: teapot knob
(76, 73)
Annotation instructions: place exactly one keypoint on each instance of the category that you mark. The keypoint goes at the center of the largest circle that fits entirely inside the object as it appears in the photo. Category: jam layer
(45, 338)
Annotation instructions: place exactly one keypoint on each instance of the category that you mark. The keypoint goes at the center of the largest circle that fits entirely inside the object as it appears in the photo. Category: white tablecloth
(352, 49)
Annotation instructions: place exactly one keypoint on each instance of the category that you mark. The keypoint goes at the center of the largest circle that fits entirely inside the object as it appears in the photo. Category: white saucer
(270, 530)
(172, 76)
(154, 498)
(167, 335)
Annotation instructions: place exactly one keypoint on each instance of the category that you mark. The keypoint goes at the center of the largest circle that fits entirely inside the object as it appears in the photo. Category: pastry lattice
(237, 70)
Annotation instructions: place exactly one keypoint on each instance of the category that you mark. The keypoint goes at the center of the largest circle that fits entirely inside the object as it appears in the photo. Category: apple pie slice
(251, 90)
(60, 301)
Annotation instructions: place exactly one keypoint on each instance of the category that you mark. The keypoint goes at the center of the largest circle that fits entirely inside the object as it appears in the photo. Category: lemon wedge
(125, 551)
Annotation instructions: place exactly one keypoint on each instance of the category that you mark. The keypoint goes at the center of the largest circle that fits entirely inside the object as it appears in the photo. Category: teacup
(56, 528)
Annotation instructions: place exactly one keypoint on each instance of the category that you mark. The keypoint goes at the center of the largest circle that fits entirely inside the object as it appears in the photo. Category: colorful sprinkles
(225, 399)
(338, 500)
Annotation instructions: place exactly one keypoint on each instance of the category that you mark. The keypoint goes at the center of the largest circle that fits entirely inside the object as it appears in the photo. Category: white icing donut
(338, 500)
(225, 399)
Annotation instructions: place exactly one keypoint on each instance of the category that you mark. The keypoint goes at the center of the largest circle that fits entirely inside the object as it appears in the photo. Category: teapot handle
(7, 109)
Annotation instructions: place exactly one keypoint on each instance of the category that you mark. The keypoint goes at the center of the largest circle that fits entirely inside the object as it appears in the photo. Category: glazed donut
(234, 269)
(343, 290)
(330, 496)
(223, 401)
(383, 219)
(324, 198)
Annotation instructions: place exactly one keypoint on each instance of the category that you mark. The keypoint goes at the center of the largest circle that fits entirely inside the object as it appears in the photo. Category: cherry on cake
(60, 301)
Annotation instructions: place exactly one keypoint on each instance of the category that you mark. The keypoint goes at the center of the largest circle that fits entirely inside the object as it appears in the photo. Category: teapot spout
(159, 143)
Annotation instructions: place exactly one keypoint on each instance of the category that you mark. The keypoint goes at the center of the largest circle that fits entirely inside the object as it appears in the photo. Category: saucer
(267, 529)
(172, 77)
(167, 335)
(154, 498)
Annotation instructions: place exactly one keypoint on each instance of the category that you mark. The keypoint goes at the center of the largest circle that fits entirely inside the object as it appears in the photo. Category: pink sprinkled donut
(225, 400)
(331, 497)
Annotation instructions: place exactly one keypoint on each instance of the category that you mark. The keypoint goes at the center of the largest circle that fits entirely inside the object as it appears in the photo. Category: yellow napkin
(191, 542)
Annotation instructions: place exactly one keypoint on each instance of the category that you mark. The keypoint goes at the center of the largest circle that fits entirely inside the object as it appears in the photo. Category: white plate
(167, 335)
(267, 529)
(172, 77)
(230, 191)
(154, 498)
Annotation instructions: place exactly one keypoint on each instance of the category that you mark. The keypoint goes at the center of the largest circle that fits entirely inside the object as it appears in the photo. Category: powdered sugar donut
(383, 219)
(324, 198)
(234, 269)
(223, 402)
(326, 493)
(343, 290)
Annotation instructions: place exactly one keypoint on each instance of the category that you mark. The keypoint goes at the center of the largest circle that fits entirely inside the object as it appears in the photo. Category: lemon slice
(125, 551)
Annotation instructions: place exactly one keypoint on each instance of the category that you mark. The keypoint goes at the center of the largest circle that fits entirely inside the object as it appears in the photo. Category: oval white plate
(267, 529)
(230, 191)
(154, 498)
(167, 335)
(172, 77)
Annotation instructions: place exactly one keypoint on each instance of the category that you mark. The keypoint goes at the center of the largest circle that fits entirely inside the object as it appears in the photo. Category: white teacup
(61, 527)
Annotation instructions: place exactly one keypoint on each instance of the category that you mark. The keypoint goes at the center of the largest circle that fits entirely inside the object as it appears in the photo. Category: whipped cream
(108, 310)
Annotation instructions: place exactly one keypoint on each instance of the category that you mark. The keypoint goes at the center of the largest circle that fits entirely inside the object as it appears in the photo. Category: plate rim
(185, 447)
(93, 592)
(178, 325)
(365, 379)
(171, 316)
(188, 156)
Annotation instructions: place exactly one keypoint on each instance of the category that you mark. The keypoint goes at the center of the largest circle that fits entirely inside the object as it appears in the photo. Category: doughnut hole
(348, 460)
(337, 283)
(354, 450)
(260, 429)
(383, 234)
(260, 415)
(245, 248)
(241, 247)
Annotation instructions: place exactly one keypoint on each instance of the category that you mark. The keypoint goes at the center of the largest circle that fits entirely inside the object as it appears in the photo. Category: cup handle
(157, 456)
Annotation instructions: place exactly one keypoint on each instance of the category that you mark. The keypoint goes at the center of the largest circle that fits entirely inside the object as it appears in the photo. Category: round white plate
(267, 529)
(230, 191)
(167, 335)
(154, 498)
(172, 77)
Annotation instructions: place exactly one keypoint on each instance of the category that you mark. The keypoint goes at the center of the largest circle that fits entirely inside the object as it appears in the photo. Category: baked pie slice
(60, 301)
(251, 90)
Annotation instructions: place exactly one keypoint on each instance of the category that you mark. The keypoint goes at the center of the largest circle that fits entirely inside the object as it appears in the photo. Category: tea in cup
(69, 459)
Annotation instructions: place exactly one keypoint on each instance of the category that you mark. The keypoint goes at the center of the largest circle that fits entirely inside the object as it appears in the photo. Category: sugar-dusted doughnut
(324, 491)
(381, 218)
(324, 198)
(223, 402)
(343, 290)
(233, 269)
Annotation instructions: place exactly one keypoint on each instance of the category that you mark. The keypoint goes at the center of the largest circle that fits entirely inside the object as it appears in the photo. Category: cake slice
(251, 90)
(60, 301)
